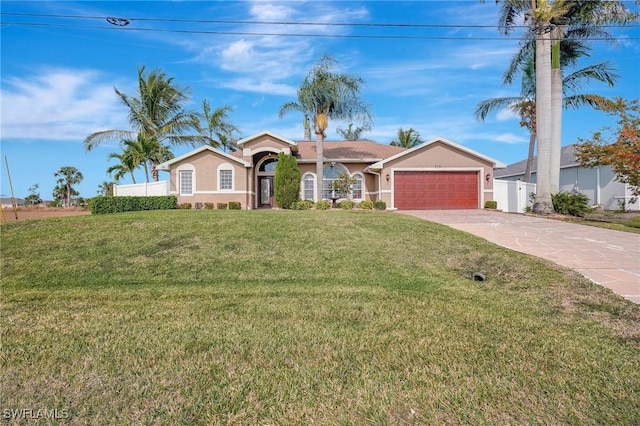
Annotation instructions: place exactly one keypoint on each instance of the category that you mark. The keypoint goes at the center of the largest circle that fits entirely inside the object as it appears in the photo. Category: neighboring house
(439, 174)
(597, 183)
(8, 204)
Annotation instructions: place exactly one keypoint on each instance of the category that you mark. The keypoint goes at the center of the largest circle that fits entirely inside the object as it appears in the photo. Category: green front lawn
(300, 317)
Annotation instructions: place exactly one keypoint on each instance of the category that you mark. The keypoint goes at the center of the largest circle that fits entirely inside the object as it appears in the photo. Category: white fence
(142, 189)
(513, 195)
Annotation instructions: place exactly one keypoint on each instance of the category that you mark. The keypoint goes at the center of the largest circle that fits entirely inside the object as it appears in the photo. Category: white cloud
(259, 86)
(58, 104)
(264, 11)
(506, 114)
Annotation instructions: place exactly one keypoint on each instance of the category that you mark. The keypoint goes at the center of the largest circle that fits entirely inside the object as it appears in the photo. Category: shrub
(302, 205)
(323, 205)
(235, 205)
(199, 206)
(571, 204)
(287, 181)
(185, 206)
(221, 206)
(104, 205)
(208, 206)
(380, 205)
(366, 205)
(491, 205)
(346, 205)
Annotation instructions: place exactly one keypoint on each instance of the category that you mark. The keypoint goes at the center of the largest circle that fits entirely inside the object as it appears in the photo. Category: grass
(298, 317)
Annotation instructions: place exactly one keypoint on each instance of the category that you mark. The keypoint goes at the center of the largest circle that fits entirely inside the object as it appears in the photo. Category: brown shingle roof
(343, 150)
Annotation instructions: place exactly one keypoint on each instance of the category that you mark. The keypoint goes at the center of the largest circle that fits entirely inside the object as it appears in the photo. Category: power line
(274, 34)
(303, 23)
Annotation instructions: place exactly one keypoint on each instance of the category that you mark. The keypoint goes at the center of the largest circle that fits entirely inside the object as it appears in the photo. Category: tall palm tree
(68, 177)
(559, 26)
(352, 133)
(217, 125)
(407, 138)
(156, 112)
(326, 94)
(525, 105)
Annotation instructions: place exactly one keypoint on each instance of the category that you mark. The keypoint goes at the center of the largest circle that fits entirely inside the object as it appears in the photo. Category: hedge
(104, 205)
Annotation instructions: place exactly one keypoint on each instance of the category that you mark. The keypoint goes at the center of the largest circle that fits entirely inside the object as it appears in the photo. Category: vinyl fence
(513, 195)
(142, 189)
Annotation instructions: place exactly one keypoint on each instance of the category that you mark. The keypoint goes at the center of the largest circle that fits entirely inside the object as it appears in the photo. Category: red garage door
(436, 190)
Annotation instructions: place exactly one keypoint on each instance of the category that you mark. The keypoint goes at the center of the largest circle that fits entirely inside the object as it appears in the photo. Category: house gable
(437, 152)
(266, 141)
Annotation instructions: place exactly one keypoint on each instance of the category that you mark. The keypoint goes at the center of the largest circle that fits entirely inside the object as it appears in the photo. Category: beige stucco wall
(206, 165)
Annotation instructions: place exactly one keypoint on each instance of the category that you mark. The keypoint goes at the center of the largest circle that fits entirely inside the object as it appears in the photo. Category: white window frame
(186, 168)
(360, 178)
(313, 186)
(225, 167)
(328, 182)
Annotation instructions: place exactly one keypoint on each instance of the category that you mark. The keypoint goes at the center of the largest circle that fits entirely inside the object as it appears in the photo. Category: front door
(266, 191)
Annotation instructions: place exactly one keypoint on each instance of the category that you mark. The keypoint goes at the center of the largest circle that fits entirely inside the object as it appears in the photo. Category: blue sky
(59, 72)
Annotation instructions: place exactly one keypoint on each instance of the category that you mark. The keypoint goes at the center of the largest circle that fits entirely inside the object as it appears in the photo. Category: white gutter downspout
(598, 189)
(379, 183)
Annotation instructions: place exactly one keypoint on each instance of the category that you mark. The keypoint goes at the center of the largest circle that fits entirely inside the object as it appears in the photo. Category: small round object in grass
(478, 276)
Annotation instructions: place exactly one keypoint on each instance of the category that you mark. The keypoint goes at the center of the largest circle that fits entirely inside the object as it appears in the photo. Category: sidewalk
(607, 257)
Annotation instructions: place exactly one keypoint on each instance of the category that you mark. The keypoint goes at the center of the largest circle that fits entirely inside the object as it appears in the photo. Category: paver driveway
(607, 257)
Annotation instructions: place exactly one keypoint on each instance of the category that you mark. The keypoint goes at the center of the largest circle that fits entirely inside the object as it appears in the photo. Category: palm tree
(126, 165)
(67, 178)
(147, 153)
(106, 189)
(217, 125)
(525, 105)
(325, 94)
(407, 138)
(351, 133)
(156, 112)
(556, 22)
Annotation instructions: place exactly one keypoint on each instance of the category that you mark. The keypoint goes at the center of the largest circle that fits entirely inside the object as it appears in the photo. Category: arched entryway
(265, 174)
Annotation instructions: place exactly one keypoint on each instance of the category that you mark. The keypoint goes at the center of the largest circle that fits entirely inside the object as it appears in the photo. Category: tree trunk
(556, 114)
(543, 202)
(154, 172)
(319, 165)
(532, 145)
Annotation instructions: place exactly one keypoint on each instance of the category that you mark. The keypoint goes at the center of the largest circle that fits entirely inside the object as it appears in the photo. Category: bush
(571, 204)
(302, 205)
(491, 205)
(104, 205)
(323, 205)
(346, 205)
(185, 206)
(286, 181)
(235, 205)
(380, 205)
(366, 205)
(199, 206)
(221, 206)
(208, 206)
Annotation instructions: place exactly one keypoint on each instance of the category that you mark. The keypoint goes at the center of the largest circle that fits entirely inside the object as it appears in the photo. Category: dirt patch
(31, 213)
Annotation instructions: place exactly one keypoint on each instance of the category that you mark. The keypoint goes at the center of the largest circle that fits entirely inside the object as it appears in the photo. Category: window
(269, 165)
(309, 186)
(357, 187)
(226, 180)
(331, 173)
(186, 182)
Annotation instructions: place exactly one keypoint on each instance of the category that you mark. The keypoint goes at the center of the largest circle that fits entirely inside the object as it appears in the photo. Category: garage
(436, 190)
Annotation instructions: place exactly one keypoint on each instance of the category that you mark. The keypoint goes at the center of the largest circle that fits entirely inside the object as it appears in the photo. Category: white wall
(512, 196)
(142, 189)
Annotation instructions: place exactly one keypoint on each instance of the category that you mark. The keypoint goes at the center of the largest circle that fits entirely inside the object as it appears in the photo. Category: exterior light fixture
(488, 176)
(387, 177)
